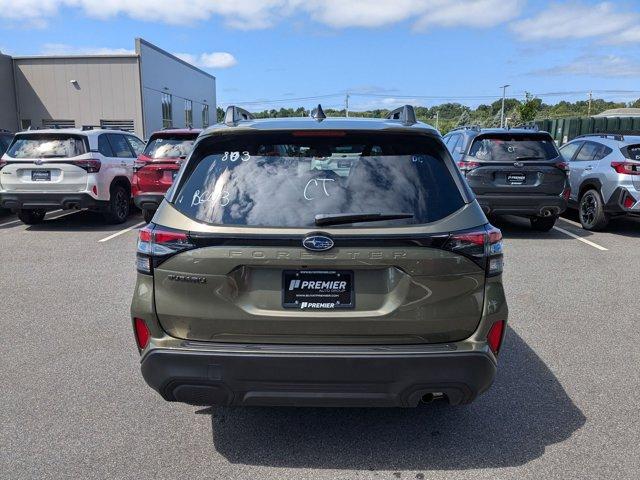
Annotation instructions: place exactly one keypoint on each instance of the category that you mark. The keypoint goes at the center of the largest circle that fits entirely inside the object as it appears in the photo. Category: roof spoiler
(406, 114)
(235, 115)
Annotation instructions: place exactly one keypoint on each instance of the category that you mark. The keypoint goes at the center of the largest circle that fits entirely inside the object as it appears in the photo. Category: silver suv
(604, 172)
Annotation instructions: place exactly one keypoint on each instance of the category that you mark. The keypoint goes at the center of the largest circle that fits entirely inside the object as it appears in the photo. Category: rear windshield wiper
(344, 218)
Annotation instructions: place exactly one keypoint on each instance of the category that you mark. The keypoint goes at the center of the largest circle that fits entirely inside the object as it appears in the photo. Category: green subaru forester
(319, 262)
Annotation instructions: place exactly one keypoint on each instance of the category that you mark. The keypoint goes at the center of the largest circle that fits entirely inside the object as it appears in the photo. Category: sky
(278, 53)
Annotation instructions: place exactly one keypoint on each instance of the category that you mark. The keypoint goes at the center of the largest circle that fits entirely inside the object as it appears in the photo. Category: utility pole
(346, 104)
(590, 98)
(504, 93)
(437, 118)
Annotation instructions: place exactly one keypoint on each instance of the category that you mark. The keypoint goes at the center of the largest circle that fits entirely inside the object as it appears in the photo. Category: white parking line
(128, 229)
(583, 240)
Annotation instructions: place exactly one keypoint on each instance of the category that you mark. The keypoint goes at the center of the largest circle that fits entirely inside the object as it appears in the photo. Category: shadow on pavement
(83, 221)
(525, 411)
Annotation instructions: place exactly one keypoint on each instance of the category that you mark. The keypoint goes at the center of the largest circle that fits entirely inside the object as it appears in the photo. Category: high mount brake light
(482, 245)
(626, 168)
(156, 244)
(318, 133)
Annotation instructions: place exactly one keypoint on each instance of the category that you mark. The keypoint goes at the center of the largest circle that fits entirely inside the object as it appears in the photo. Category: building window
(52, 123)
(205, 116)
(167, 115)
(188, 113)
(25, 124)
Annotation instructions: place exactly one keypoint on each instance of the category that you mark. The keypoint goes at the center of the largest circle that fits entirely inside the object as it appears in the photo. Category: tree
(528, 109)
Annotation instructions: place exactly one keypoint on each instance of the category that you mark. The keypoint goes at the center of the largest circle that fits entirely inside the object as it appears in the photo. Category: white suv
(69, 168)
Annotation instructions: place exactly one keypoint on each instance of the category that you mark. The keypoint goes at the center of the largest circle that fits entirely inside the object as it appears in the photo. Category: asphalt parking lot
(565, 403)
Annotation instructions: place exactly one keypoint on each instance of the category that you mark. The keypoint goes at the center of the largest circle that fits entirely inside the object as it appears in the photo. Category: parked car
(69, 168)
(604, 171)
(513, 171)
(158, 165)
(5, 140)
(270, 276)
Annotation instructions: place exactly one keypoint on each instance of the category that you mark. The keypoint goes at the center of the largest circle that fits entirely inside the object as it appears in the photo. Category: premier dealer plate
(317, 289)
(40, 175)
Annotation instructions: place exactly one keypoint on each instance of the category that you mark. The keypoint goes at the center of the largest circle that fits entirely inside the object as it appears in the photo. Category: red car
(158, 165)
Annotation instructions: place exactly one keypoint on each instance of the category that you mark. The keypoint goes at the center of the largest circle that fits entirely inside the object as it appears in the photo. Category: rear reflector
(494, 337)
(628, 201)
(142, 333)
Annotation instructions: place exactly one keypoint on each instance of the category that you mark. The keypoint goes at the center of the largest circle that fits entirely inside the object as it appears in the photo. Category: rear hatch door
(514, 163)
(258, 271)
(45, 163)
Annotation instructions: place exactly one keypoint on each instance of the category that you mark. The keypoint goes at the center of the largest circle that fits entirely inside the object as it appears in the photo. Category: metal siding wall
(8, 113)
(160, 73)
(108, 90)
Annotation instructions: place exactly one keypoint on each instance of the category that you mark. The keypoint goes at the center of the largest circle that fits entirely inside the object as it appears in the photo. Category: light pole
(504, 93)
(437, 117)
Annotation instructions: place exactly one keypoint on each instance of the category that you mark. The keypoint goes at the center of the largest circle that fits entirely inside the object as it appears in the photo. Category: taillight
(91, 166)
(3, 163)
(626, 168)
(482, 245)
(142, 333)
(138, 164)
(156, 244)
(564, 166)
(495, 335)
(465, 166)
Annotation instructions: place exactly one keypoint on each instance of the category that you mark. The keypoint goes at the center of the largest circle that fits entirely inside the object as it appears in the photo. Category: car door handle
(123, 163)
(588, 168)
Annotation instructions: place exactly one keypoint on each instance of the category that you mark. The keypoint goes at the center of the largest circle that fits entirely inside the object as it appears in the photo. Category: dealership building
(141, 92)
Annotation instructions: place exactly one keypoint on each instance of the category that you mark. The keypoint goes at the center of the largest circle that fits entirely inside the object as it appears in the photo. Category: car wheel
(31, 216)
(119, 205)
(591, 211)
(543, 224)
(148, 215)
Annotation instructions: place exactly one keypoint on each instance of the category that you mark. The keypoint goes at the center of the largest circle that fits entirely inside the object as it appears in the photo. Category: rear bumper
(522, 204)
(148, 201)
(308, 376)
(48, 201)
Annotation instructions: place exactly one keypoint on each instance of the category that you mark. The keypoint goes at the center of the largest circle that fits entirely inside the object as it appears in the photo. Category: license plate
(516, 178)
(317, 289)
(40, 175)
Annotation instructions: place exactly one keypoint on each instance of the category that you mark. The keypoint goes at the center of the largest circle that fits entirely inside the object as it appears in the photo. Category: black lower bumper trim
(532, 205)
(212, 378)
(148, 201)
(48, 201)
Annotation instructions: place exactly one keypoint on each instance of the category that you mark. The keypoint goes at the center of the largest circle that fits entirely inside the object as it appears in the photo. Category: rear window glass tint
(511, 148)
(47, 146)
(633, 152)
(285, 180)
(169, 147)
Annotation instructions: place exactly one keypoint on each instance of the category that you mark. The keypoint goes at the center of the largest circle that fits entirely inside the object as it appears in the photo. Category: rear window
(511, 148)
(286, 179)
(47, 146)
(5, 140)
(632, 152)
(169, 147)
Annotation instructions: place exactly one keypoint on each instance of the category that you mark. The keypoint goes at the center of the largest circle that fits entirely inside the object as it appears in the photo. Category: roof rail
(235, 115)
(615, 136)
(406, 114)
(318, 114)
(466, 127)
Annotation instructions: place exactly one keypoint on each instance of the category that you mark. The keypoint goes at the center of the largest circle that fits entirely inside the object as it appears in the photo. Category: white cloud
(256, 14)
(209, 60)
(595, 66)
(64, 49)
(579, 20)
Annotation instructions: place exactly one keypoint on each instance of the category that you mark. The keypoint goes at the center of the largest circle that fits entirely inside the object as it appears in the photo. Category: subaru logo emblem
(317, 243)
(38, 161)
(518, 164)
